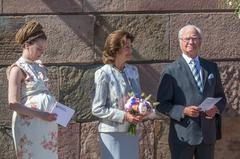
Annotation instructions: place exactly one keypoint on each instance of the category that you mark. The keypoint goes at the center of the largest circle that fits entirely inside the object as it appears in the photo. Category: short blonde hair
(114, 42)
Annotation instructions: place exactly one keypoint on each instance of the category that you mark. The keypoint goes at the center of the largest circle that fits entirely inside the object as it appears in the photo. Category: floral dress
(34, 138)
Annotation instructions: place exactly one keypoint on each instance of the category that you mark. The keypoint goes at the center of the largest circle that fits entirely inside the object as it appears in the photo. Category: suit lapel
(204, 71)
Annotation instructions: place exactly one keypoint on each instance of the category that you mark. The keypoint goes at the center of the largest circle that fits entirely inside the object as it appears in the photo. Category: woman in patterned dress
(113, 82)
(33, 127)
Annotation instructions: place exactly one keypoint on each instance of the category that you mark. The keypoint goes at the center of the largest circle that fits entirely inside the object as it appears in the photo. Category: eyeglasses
(187, 40)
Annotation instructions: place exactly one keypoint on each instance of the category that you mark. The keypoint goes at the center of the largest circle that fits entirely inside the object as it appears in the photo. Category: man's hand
(211, 112)
(192, 111)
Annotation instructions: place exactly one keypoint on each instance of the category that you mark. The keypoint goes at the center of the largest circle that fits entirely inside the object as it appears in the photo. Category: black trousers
(186, 151)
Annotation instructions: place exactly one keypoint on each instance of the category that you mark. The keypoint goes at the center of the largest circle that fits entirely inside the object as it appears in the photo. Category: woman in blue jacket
(113, 82)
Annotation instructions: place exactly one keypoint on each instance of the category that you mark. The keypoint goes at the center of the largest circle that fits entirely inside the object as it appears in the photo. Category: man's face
(190, 42)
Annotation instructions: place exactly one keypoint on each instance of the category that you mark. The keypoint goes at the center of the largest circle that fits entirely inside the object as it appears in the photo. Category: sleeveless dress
(34, 138)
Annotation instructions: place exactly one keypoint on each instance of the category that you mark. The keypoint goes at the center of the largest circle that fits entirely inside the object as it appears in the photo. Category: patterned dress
(34, 138)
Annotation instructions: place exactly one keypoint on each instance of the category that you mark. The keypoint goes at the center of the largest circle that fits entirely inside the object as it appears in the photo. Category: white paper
(208, 103)
(64, 113)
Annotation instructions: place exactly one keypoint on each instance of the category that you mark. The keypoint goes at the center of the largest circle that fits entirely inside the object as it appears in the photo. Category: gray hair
(187, 26)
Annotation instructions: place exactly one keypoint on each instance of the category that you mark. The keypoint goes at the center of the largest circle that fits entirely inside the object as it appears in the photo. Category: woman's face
(125, 53)
(36, 49)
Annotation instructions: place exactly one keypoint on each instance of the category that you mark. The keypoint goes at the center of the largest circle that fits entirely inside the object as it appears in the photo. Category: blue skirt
(118, 145)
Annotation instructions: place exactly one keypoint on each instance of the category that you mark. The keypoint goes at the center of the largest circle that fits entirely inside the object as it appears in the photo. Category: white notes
(64, 113)
(208, 103)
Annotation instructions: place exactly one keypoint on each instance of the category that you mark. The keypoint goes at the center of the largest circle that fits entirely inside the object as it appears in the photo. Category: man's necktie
(196, 74)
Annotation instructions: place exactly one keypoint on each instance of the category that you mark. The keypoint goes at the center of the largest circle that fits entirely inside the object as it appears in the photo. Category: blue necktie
(196, 74)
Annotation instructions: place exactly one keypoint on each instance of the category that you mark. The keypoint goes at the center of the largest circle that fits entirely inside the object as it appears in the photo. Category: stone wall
(76, 31)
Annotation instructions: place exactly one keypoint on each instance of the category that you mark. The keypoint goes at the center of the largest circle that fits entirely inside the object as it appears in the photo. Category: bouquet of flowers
(138, 106)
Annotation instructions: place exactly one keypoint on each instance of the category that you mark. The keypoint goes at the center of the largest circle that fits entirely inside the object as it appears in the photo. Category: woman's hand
(47, 116)
(133, 118)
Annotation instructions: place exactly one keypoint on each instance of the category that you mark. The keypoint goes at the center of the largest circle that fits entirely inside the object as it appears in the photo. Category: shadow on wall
(80, 28)
(149, 75)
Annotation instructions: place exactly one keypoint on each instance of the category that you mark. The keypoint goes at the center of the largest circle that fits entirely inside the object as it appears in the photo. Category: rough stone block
(70, 38)
(69, 141)
(5, 112)
(6, 143)
(146, 142)
(103, 5)
(220, 32)
(150, 77)
(1, 7)
(161, 130)
(54, 80)
(73, 6)
(228, 146)
(230, 79)
(77, 90)
(169, 5)
(150, 31)
(9, 50)
(90, 148)
(41, 6)
(153, 5)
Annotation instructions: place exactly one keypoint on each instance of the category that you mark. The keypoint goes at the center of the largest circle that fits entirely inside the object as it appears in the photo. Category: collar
(26, 60)
(189, 59)
(30, 61)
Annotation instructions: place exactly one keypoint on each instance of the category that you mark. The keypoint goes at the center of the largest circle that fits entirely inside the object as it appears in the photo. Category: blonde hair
(30, 32)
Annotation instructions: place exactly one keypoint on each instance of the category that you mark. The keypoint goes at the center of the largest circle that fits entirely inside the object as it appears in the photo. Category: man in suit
(184, 85)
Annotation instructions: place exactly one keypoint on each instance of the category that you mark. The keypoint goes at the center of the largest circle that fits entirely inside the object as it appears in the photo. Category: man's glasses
(187, 40)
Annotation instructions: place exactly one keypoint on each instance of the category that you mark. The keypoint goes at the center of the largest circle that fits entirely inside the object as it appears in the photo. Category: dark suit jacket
(178, 89)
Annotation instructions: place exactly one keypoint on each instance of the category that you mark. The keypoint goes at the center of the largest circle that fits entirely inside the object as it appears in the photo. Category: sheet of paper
(64, 113)
(208, 103)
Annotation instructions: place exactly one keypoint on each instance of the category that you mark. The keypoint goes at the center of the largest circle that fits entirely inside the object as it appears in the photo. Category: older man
(184, 85)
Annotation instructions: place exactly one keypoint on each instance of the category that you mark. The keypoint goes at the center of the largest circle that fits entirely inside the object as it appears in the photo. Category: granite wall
(76, 31)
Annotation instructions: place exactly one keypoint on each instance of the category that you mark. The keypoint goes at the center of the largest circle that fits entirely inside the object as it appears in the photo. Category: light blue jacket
(111, 93)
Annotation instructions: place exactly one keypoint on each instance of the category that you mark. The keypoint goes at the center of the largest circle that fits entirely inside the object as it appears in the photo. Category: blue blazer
(111, 93)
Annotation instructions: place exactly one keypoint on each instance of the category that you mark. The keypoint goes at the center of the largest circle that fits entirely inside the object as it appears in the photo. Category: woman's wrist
(125, 117)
